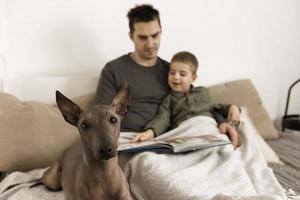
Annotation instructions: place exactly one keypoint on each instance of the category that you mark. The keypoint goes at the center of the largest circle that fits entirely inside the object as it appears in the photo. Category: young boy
(185, 101)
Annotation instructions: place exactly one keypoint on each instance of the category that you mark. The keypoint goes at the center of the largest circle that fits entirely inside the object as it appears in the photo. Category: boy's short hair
(142, 13)
(187, 58)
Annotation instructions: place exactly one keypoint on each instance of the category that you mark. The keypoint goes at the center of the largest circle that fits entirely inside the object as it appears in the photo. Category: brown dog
(90, 169)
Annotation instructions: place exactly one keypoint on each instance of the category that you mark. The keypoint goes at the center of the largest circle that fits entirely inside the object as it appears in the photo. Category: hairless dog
(89, 169)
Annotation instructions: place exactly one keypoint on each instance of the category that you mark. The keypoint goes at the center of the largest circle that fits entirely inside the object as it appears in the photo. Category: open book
(174, 145)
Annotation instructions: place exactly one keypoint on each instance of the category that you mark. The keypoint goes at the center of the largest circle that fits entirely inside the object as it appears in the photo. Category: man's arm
(230, 112)
(226, 127)
(107, 87)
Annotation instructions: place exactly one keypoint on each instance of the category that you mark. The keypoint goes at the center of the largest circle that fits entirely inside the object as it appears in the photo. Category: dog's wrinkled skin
(89, 169)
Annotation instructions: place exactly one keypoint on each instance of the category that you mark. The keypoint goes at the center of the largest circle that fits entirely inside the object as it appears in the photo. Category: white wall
(233, 39)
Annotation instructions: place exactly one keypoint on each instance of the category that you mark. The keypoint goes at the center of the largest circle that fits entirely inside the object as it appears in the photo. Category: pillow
(32, 134)
(268, 153)
(243, 92)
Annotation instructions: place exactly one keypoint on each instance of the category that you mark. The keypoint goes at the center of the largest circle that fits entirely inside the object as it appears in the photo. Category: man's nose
(151, 43)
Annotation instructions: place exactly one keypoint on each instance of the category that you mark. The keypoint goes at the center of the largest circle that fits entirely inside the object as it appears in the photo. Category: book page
(183, 143)
(143, 145)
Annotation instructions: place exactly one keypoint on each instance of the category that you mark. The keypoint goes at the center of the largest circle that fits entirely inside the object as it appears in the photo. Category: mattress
(287, 148)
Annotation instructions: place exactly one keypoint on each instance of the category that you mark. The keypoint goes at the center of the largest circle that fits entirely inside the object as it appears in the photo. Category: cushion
(33, 134)
(247, 126)
(243, 92)
(84, 101)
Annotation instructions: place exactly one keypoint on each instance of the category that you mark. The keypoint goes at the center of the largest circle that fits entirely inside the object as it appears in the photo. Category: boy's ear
(68, 108)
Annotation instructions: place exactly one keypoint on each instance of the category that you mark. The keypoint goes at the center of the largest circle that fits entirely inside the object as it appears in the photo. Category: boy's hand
(226, 128)
(233, 114)
(144, 136)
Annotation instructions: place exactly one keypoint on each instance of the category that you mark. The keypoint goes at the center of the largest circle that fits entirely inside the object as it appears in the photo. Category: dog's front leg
(52, 177)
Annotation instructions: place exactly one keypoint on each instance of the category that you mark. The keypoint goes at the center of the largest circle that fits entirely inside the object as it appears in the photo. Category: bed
(33, 134)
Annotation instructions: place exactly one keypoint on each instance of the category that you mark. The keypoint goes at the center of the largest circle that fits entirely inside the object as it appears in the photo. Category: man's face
(146, 39)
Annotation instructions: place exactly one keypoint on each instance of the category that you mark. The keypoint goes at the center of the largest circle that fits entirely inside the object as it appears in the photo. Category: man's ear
(195, 77)
(68, 108)
(130, 35)
(122, 100)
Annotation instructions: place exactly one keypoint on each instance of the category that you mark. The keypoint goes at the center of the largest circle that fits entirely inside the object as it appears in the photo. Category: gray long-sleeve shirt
(148, 84)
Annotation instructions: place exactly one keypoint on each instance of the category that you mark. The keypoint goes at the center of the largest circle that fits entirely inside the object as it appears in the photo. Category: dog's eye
(84, 125)
(113, 120)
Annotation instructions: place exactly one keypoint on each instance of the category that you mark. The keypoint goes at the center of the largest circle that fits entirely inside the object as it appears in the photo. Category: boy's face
(181, 77)
(146, 39)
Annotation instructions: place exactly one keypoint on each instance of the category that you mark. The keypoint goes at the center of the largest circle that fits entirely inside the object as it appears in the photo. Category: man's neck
(146, 63)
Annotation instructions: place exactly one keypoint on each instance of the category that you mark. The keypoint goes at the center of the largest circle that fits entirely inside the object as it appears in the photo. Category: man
(145, 72)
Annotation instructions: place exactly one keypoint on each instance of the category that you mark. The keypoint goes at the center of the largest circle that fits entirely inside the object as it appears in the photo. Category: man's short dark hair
(186, 58)
(142, 13)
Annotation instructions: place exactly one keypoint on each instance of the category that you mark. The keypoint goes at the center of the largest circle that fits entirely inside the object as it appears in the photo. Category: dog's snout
(106, 153)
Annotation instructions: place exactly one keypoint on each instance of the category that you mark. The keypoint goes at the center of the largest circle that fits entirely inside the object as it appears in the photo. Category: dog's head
(99, 126)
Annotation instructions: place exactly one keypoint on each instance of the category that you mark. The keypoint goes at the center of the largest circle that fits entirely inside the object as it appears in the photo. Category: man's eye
(84, 125)
(113, 120)
(143, 38)
(155, 35)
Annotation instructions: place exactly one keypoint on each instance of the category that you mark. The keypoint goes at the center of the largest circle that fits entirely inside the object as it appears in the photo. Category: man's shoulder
(116, 62)
(125, 60)
(164, 62)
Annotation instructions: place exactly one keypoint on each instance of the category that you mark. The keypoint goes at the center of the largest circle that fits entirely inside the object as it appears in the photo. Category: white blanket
(216, 173)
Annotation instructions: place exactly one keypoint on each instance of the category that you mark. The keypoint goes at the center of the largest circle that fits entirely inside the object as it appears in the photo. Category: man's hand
(226, 128)
(233, 114)
(144, 136)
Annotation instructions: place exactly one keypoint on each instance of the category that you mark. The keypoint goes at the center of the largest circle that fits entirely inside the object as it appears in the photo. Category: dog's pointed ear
(122, 100)
(68, 108)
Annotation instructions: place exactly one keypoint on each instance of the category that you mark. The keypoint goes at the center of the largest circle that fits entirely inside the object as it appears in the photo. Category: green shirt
(177, 107)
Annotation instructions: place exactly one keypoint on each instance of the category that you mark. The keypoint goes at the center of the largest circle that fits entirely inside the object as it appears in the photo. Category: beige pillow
(243, 92)
(247, 126)
(84, 101)
(32, 134)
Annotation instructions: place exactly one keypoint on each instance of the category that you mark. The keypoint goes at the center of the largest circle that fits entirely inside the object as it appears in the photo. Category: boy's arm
(144, 136)
(161, 122)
